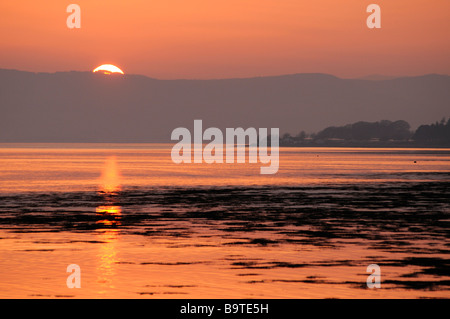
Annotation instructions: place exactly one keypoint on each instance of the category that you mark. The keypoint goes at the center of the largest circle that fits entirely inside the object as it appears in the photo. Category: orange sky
(227, 38)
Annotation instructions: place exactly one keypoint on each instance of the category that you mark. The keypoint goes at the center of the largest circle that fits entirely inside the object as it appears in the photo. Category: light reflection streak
(110, 216)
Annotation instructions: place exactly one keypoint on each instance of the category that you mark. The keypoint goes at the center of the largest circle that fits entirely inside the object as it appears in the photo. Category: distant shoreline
(116, 145)
(406, 146)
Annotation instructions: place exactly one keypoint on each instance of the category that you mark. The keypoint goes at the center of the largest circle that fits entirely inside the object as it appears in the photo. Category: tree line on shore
(375, 134)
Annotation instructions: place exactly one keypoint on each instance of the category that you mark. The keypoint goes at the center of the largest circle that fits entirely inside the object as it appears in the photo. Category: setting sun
(108, 69)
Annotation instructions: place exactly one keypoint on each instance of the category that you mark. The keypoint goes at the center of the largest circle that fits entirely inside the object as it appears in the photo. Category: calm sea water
(139, 225)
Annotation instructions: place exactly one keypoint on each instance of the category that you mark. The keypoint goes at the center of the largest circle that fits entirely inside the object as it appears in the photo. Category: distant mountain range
(87, 107)
(378, 77)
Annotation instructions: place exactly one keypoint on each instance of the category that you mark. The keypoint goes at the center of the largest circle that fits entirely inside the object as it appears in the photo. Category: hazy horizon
(371, 77)
(86, 107)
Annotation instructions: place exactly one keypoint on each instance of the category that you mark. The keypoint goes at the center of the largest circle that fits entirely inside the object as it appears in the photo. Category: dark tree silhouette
(364, 131)
(381, 134)
(437, 133)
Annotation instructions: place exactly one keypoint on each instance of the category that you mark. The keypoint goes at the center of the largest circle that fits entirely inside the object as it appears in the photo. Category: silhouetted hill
(87, 107)
(378, 77)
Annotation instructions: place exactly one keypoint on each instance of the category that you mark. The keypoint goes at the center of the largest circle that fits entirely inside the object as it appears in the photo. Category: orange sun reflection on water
(107, 259)
(109, 186)
(110, 179)
(109, 219)
(112, 215)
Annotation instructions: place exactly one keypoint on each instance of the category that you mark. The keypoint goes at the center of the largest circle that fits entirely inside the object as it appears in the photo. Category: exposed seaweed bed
(408, 218)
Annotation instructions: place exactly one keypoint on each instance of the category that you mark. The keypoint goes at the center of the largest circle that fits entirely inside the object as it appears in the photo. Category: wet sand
(230, 242)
